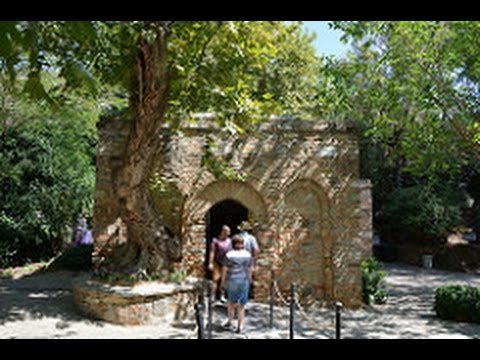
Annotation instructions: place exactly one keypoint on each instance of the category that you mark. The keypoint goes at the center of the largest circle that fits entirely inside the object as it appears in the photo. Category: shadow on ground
(37, 296)
(41, 306)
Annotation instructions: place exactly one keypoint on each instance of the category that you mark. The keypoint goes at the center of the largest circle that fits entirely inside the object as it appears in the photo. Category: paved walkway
(40, 306)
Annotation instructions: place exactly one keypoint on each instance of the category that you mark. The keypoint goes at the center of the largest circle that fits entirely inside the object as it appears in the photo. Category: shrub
(458, 302)
(421, 214)
(47, 179)
(373, 281)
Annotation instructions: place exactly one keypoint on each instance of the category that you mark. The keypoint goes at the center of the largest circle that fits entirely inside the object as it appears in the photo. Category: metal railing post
(209, 322)
(292, 309)
(199, 318)
(272, 298)
(338, 310)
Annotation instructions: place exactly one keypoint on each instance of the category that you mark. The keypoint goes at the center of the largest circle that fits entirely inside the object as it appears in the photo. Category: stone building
(296, 181)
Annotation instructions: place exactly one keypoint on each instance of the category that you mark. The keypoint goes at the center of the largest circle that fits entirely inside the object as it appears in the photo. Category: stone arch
(301, 193)
(311, 202)
(244, 193)
(220, 190)
(196, 208)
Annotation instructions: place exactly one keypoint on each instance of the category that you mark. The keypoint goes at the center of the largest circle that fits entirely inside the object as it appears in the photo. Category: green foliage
(219, 166)
(420, 83)
(177, 276)
(50, 71)
(419, 214)
(48, 173)
(242, 70)
(412, 87)
(458, 302)
(373, 282)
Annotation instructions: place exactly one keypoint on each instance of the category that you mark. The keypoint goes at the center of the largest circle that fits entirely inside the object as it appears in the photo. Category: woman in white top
(236, 277)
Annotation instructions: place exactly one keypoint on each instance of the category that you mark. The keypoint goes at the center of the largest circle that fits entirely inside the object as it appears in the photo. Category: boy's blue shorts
(237, 292)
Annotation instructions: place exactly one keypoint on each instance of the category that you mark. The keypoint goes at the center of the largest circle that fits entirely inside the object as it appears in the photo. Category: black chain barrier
(200, 308)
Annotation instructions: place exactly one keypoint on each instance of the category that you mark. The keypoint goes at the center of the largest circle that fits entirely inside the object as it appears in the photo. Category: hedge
(458, 302)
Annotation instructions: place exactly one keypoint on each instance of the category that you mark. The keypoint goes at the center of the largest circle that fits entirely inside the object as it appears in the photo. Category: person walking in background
(251, 244)
(237, 274)
(219, 247)
(83, 236)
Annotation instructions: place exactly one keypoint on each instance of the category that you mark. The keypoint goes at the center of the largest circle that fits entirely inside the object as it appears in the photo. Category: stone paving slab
(41, 307)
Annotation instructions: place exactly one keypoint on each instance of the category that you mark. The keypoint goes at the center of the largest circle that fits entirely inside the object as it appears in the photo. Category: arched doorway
(228, 212)
(220, 202)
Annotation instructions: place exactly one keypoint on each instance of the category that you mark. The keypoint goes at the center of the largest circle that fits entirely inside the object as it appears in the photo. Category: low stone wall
(144, 303)
(453, 257)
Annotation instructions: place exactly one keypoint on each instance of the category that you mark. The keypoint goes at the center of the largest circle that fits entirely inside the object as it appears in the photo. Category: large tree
(241, 70)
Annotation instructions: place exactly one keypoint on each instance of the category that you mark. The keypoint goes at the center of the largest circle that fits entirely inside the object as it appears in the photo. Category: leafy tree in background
(48, 175)
(166, 70)
(413, 87)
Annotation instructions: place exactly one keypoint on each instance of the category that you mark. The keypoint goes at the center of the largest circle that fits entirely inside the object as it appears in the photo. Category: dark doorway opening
(227, 212)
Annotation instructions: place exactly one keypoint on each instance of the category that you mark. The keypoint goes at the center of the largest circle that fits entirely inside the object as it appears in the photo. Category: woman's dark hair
(237, 242)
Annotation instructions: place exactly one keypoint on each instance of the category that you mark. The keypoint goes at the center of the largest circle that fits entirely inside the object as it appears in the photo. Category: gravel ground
(40, 307)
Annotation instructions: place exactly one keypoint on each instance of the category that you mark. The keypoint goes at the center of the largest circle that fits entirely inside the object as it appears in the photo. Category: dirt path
(40, 306)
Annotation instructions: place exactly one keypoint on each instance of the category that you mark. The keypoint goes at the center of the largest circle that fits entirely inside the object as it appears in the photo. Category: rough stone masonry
(299, 181)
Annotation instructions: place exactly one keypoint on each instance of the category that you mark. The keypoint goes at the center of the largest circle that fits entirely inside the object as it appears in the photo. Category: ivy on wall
(218, 166)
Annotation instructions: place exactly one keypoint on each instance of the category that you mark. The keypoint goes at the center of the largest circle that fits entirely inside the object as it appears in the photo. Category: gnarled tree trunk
(149, 246)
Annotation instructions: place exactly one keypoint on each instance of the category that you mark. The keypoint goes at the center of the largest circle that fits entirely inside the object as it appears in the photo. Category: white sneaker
(223, 299)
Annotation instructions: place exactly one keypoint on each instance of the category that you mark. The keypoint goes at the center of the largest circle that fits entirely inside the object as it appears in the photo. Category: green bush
(420, 214)
(458, 302)
(47, 177)
(373, 281)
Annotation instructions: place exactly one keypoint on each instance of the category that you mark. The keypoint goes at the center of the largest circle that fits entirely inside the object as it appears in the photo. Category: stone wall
(300, 183)
(144, 303)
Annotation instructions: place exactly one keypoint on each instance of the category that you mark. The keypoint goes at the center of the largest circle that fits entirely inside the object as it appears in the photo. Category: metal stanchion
(199, 318)
(338, 310)
(292, 309)
(209, 322)
(272, 299)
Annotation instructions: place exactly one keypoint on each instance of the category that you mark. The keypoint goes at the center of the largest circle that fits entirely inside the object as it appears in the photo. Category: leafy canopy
(420, 79)
(239, 69)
